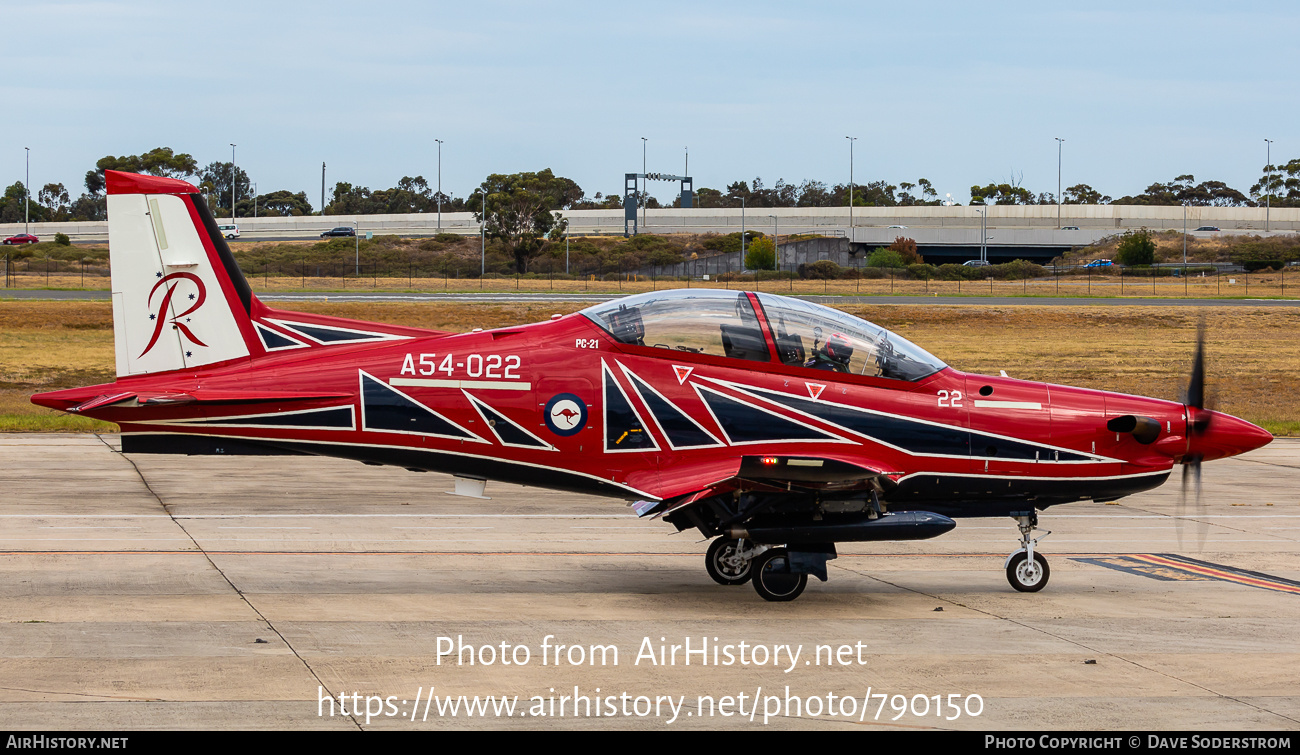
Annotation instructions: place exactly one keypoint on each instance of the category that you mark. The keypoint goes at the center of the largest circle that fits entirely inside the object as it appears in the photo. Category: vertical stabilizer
(179, 299)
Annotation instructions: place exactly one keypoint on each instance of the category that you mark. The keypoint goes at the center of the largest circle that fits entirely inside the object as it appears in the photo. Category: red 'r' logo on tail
(160, 318)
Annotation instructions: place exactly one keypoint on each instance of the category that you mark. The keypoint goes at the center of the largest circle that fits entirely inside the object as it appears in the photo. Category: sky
(958, 93)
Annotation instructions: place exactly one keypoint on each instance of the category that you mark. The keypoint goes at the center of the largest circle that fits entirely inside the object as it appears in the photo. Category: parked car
(22, 238)
(1069, 228)
(1208, 228)
(1099, 263)
(976, 263)
(897, 226)
(230, 230)
(342, 230)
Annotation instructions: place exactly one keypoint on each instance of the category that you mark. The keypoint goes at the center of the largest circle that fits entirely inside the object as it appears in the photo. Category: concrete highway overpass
(1026, 231)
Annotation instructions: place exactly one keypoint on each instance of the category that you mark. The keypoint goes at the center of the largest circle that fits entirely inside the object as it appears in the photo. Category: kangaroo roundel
(566, 414)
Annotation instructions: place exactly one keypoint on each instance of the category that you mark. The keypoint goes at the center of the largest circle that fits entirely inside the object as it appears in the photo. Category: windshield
(826, 339)
(699, 321)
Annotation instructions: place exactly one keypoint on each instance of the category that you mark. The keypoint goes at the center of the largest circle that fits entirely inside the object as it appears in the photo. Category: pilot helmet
(839, 348)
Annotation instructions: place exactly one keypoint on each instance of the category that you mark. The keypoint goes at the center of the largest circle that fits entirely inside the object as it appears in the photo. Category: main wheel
(1026, 575)
(723, 565)
(773, 579)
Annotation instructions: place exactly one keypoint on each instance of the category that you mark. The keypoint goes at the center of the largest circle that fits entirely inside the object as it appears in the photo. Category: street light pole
(254, 201)
(27, 188)
(322, 188)
(742, 233)
(1184, 238)
(439, 141)
(643, 182)
(232, 183)
(1268, 188)
(482, 238)
(356, 243)
(1059, 143)
(851, 140)
(776, 241)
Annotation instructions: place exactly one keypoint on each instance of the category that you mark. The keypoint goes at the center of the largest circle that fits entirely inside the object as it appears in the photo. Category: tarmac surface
(239, 592)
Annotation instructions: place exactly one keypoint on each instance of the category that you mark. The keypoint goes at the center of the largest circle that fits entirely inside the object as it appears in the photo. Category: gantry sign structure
(631, 199)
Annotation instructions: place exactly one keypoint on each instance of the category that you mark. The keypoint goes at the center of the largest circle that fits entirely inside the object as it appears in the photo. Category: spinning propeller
(1199, 420)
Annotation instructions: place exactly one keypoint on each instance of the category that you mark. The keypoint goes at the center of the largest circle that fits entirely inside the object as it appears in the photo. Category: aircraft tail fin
(179, 299)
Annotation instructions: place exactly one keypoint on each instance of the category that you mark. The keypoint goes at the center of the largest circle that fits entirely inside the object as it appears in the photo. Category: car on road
(22, 238)
(1069, 228)
(342, 230)
(1208, 228)
(897, 226)
(976, 263)
(230, 230)
(1100, 263)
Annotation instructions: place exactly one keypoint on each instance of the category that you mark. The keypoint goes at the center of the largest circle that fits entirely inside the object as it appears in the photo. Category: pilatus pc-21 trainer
(774, 426)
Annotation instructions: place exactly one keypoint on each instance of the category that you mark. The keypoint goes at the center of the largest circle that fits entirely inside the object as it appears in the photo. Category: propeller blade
(1196, 386)
(1192, 480)
(1202, 526)
(1182, 505)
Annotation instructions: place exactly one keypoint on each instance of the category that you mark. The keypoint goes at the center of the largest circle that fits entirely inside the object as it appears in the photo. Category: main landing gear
(1027, 570)
(735, 562)
(729, 562)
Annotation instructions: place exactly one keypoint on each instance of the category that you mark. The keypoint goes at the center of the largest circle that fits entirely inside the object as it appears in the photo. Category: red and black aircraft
(776, 426)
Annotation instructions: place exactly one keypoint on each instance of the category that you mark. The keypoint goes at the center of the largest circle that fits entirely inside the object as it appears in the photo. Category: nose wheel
(1027, 570)
(1028, 575)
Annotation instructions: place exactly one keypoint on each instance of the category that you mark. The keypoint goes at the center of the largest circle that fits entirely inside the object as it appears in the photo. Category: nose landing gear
(1027, 570)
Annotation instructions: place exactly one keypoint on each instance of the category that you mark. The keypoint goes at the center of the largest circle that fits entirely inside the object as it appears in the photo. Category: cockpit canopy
(725, 324)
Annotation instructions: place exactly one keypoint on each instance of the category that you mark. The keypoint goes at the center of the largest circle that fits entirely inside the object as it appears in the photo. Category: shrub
(761, 255)
(921, 272)
(1018, 269)
(62, 239)
(731, 241)
(885, 258)
(820, 270)
(1136, 248)
(906, 249)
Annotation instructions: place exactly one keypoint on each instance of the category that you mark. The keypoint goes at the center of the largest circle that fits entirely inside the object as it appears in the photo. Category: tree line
(519, 200)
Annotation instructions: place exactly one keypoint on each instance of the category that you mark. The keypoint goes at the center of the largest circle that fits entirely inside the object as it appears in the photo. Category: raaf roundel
(775, 426)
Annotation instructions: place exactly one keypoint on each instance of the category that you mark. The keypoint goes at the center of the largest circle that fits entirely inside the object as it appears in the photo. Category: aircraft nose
(1224, 435)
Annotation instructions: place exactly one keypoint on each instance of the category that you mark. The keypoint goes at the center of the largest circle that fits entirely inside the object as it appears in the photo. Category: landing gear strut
(1027, 570)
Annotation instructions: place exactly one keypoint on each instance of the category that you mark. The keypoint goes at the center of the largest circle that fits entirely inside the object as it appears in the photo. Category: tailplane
(179, 299)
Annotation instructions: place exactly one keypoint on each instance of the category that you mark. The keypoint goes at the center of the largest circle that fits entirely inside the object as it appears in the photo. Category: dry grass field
(1253, 354)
